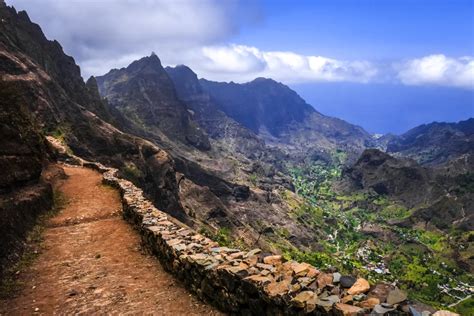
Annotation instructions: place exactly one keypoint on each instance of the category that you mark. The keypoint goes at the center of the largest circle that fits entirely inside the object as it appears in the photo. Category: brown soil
(91, 262)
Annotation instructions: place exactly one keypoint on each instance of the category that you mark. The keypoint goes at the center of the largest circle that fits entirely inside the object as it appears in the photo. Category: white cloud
(438, 70)
(242, 63)
(98, 32)
(107, 34)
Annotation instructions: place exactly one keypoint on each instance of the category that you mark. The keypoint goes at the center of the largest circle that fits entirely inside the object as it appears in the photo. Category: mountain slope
(24, 193)
(435, 143)
(62, 105)
(283, 119)
(156, 106)
(207, 114)
(440, 197)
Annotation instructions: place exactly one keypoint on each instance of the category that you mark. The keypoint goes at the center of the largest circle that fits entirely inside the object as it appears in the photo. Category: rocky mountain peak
(148, 63)
(262, 103)
(186, 81)
(263, 80)
(145, 94)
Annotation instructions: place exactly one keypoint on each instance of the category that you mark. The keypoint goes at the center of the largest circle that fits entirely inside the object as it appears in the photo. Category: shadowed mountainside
(24, 194)
(441, 197)
(283, 119)
(435, 143)
(156, 108)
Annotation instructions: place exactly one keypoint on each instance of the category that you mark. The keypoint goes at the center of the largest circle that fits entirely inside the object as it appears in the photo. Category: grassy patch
(253, 179)
(131, 171)
(394, 211)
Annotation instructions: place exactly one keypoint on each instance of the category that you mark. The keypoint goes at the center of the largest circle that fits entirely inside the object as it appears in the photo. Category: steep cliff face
(214, 192)
(21, 36)
(207, 114)
(23, 193)
(144, 93)
(435, 143)
(282, 118)
(62, 105)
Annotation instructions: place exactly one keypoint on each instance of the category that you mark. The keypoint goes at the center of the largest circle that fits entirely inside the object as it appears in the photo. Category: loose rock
(347, 281)
(347, 310)
(360, 286)
(396, 296)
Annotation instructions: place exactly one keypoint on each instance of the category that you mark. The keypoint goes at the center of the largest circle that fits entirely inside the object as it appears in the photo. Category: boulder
(360, 286)
(445, 313)
(369, 303)
(278, 288)
(347, 281)
(381, 291)
(324, 279)
(396, 296)
(274, 260)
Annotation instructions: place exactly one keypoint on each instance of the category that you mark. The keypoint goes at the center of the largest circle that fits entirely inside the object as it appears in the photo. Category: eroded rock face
(438, 194)
(22, 148)
(209, 116)
(23, 193)
(282, 118)
(386, 175)
(64, 106)
(145, 94)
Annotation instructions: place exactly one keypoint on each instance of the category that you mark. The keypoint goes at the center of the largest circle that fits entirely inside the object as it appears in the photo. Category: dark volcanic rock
(61, 104)
(386, 175)
(22, 148)
(145, 94)
(441, 196)
(241, 192)
(23, 194)
(347, 281)
(209, 116)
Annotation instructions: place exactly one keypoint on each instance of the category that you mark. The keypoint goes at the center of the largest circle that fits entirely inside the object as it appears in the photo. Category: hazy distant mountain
(441, 196)
(282, 118)
(435, 143)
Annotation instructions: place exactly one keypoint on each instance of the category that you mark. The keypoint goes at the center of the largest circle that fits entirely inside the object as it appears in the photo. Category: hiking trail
(91, 261)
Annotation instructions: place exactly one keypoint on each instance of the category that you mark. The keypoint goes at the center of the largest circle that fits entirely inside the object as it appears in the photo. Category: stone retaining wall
(247, 283)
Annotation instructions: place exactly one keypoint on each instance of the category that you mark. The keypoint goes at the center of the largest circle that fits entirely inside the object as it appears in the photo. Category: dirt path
(91, 262)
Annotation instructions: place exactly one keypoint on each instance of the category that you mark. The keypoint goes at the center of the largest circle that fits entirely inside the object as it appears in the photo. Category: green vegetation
(357, 234)
(61, 132)
(253, 179)
(131, 171)
(222, 237)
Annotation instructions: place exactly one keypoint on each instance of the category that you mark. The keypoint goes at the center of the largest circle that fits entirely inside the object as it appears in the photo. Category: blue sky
(387, 65)
(383, 31)
(367, 29)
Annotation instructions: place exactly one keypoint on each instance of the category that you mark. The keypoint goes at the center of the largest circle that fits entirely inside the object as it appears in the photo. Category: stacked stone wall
(247, 282)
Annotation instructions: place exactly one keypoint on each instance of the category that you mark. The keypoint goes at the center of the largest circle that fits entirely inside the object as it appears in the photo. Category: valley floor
(91, 262)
